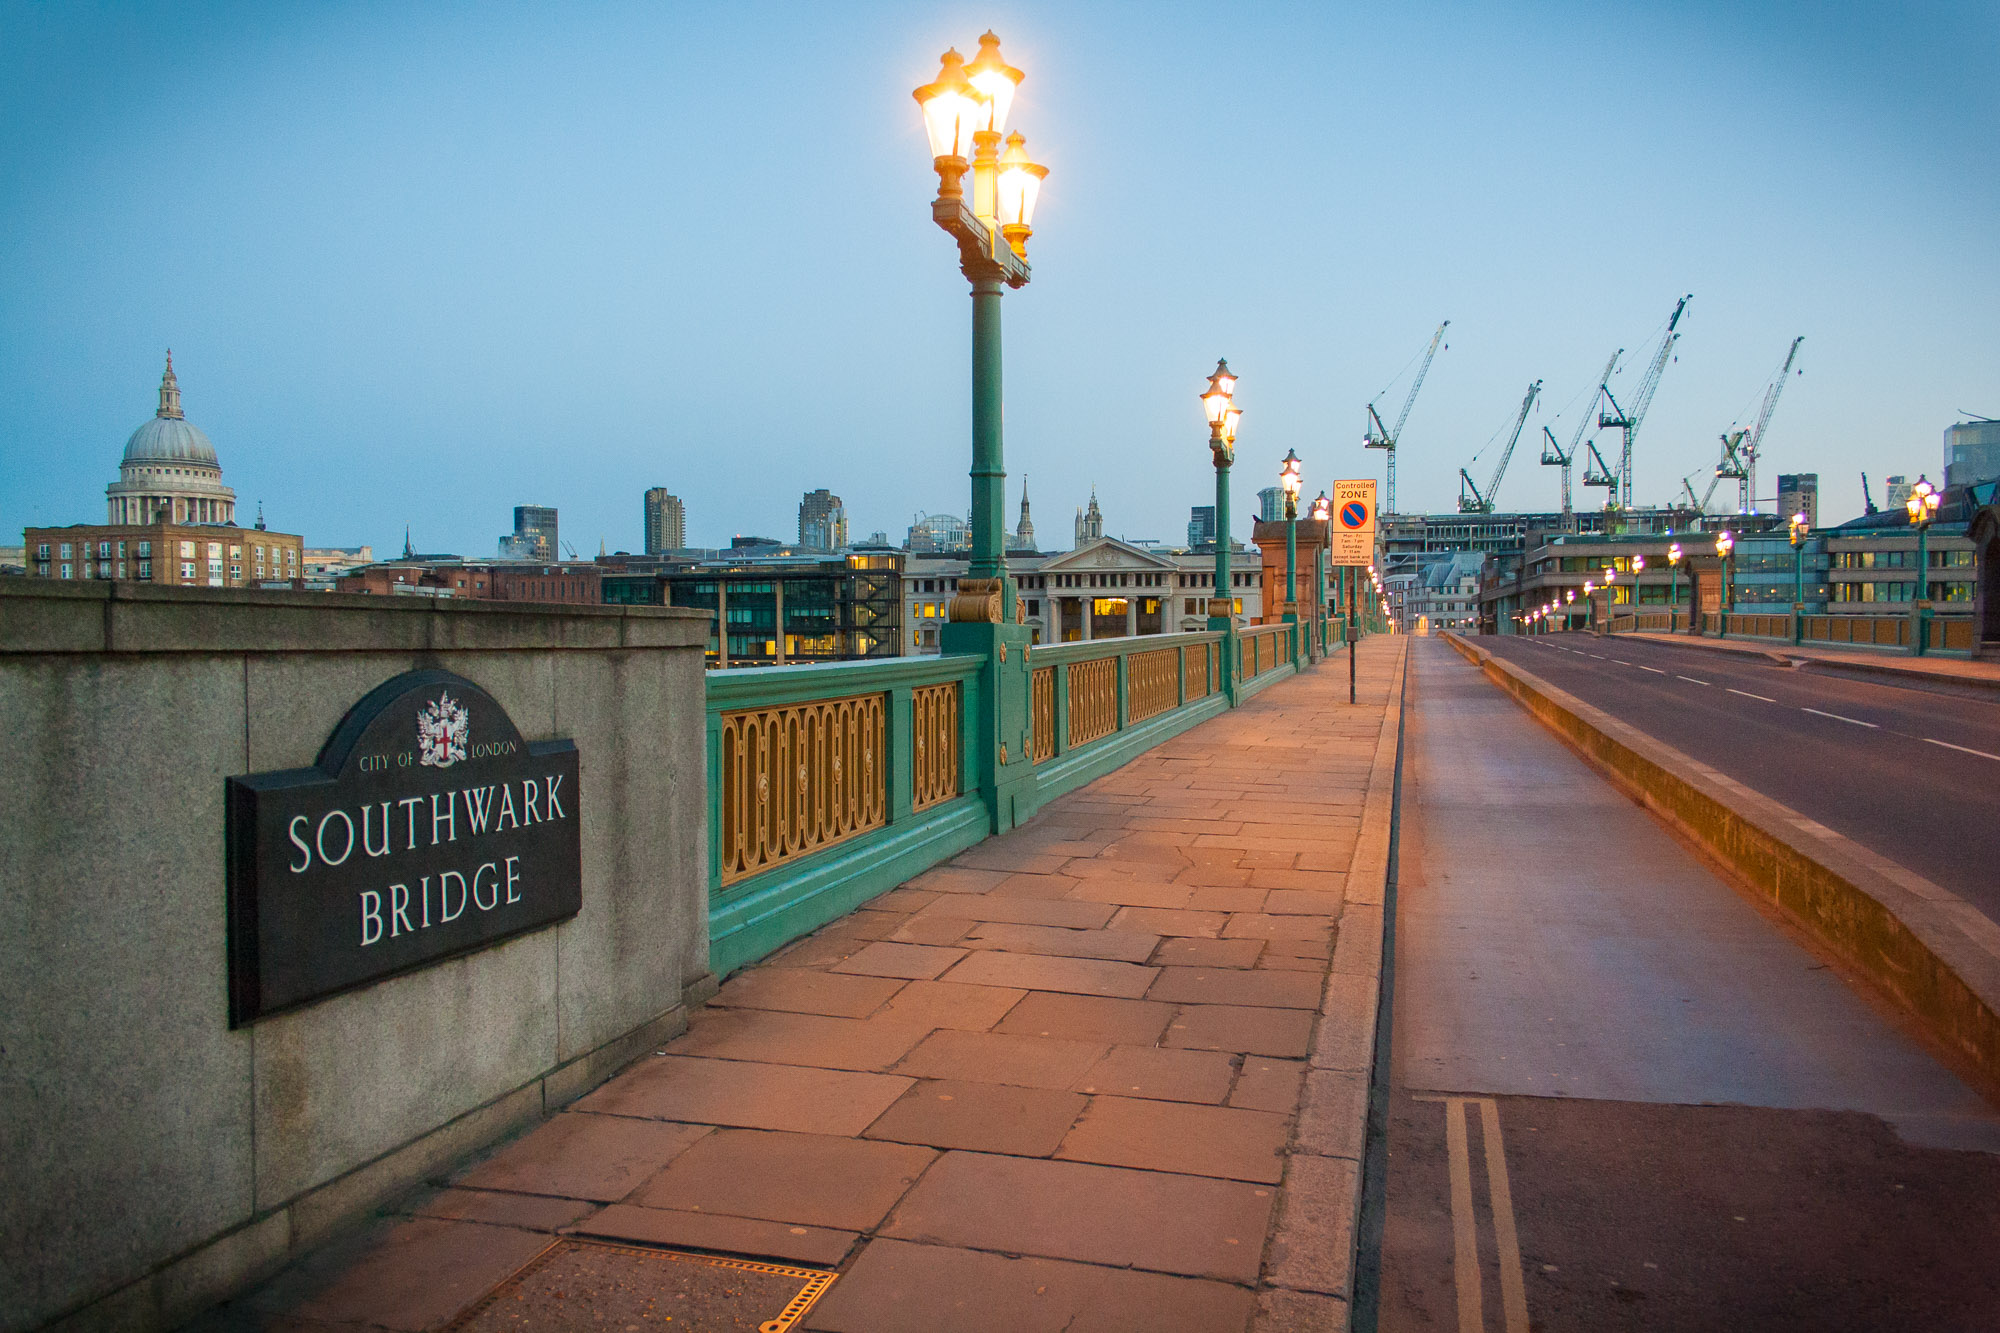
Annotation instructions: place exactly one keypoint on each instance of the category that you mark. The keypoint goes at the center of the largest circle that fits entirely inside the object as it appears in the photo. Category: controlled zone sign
(1354, 522)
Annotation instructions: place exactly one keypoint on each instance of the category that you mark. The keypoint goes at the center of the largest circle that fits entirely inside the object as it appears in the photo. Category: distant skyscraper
(1799, 491)
(1024, 535)
(1201, 526)
(534, 535)
(1271, 504)
(822, 520)
(1971, 452)
(1089, 522)
(666, 521)
(1899, 492)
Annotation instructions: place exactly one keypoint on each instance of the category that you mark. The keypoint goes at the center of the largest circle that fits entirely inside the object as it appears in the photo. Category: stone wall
(154, 1159)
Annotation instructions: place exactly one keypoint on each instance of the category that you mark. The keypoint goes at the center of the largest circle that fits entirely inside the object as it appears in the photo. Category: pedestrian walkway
(1880, 663)
(1105, 1072)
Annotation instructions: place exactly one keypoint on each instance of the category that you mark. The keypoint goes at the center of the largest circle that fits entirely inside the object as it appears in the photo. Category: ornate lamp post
(1322, 514)
(966, 108)
(1724, 544)
(1219, 406)
(1923, 507)
(1799, 529)
(1291, 479)
(1673, 584)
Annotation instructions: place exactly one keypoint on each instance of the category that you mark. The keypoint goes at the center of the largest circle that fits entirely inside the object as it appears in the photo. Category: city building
(1971, 452)
(1898, 493)
(1798, 492)
(534, 535)
(169, 518)
(1271, 505)
(573, 582)
(822, 521)
(666, 521)
(1445, 594)
(1089, 522)
(936, 534)
(1201, 527)
(1105, 589)
(832, 608)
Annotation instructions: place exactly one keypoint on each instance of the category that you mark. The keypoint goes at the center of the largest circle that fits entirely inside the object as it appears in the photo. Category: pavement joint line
(1962, 749)
(1838, 718)
(1761, 698)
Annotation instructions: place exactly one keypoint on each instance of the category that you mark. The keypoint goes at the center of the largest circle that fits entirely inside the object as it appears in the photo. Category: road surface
(1621, 1097)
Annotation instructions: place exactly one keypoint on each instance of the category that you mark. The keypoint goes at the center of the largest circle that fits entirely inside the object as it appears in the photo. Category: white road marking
(1691, 680)
(1621, 661)
(1961, 749)
(1838, 718)
(1760, 698)
(1598, 656)
(1655, 670)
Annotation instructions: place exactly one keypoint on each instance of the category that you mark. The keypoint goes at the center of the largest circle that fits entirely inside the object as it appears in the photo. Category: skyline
(562, 261)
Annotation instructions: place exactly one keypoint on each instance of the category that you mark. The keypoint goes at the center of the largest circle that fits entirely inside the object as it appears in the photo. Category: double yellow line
(1465, 1225)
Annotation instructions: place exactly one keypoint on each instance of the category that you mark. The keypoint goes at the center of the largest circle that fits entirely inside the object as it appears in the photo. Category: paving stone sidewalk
(1106, 1072)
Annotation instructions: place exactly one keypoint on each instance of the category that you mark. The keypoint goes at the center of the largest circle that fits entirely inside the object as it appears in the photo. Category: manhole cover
(581, 1284)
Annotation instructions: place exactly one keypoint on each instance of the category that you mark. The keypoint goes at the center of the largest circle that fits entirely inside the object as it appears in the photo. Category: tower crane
(1378, 436)
(1554, 455)
(1471, 500)
(1867, 500)
(1627, 420)
(1740, 447)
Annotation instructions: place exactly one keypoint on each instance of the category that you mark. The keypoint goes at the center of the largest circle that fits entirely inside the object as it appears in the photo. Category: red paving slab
(1050, 1085)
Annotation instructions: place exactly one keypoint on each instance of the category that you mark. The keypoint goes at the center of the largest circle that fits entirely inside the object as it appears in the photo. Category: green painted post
(1922, 605)
(898, 751)
(1228, 682)
(989, 470)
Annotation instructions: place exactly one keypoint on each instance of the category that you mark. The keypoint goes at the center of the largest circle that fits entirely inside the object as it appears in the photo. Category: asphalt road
(1912, 775)
(1621, 1097)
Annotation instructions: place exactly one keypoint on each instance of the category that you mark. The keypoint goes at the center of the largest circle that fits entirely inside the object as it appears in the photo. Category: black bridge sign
(427, 829)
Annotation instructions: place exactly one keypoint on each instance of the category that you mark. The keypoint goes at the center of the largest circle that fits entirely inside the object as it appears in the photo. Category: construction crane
(1740, 448)
(1554, 455)
(1472, 500)
(1627, 420)
(1867, 500)
(1378, 436)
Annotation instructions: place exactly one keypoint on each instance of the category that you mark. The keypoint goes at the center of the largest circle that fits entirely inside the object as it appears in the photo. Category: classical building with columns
(169, 519)
(1104, 589)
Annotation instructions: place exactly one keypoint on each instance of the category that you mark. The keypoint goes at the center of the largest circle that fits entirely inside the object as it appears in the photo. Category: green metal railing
(830, 784)
(1945, 634)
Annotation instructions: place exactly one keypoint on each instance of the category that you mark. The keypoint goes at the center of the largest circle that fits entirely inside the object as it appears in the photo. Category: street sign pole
(1353, 549)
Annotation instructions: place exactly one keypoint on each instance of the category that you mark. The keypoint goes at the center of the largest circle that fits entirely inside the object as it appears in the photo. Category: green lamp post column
(1673, 584)
(966, 107)
(1291, 478)
(1219, 406)
(1724, 545)
(1322, 512)
(1799, 528)
(1923, 507)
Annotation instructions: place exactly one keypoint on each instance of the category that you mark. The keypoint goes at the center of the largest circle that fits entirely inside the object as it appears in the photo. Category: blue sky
(419, 264)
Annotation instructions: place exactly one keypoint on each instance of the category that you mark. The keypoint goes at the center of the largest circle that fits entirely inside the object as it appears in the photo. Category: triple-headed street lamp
(965, 110)
(1291, 477)
(1322, 514)
(1923, 507)
(1673, 583)
(1724, 545)
(1800, 528)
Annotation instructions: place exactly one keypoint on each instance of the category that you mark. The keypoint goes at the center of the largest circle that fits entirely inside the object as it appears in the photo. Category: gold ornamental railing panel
(1197, 671)
(799, 777)
(1093, 700)
(934, 741)
(1042, 710)
(1152, 683)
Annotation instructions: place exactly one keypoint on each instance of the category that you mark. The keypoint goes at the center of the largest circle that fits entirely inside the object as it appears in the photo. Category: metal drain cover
(584, 1284)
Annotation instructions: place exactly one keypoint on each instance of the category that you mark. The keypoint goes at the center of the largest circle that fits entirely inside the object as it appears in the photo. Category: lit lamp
(1923, 507)
(1322, 514)
(1291, 478)
(1799, 529)
(1673, 583)
(965, 112)
(1724, 544)
(1218, 406)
